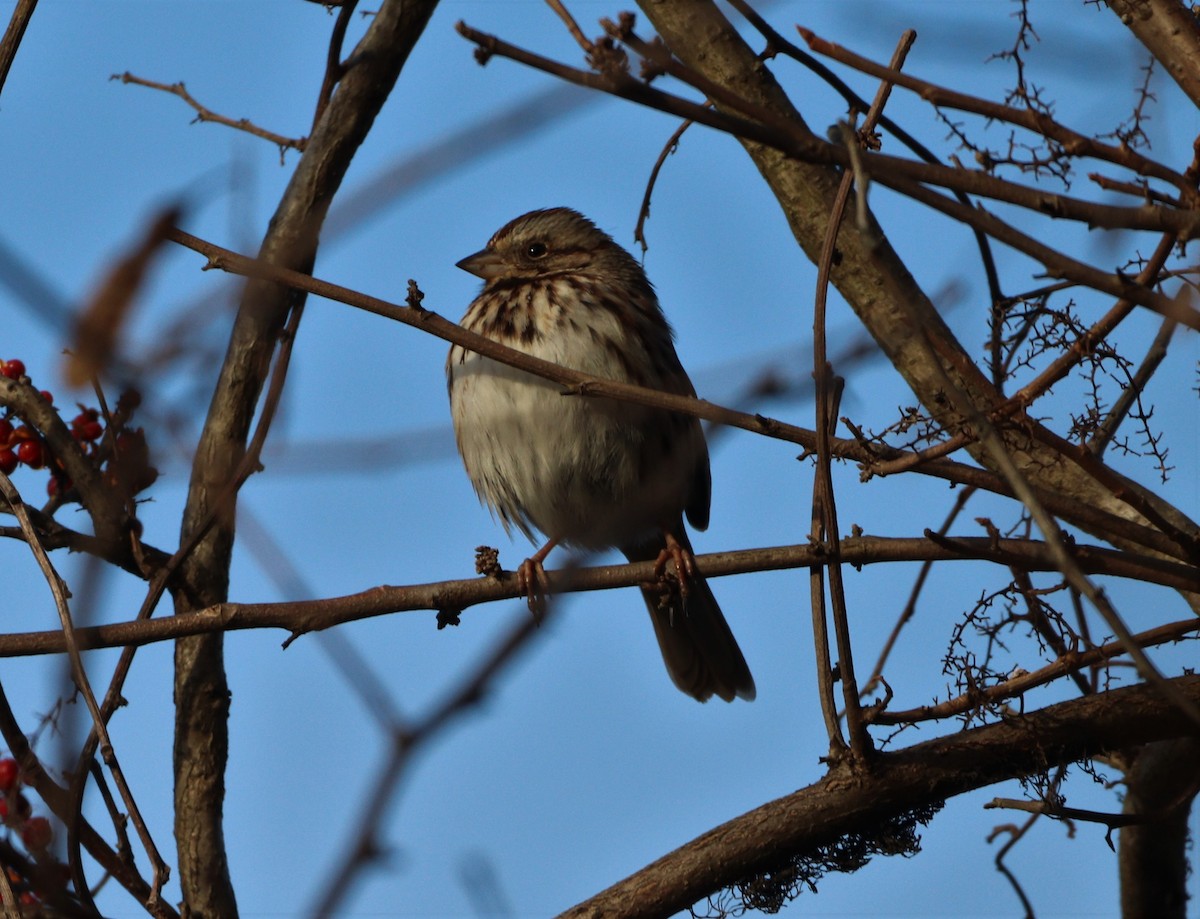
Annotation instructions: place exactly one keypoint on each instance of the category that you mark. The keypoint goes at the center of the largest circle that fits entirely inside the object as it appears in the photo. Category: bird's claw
(685, 563)
(533, 583)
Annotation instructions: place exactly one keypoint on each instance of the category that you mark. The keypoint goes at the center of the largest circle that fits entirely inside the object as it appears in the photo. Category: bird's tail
(701, 654)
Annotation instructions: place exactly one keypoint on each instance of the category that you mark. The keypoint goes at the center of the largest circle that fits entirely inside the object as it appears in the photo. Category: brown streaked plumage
(592, 473)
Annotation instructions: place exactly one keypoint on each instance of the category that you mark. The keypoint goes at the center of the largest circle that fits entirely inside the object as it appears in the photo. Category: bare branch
(449, 598)
(1014, 688)
(766, 838)
(205, 114)
(201, 689)
(1030, 119)
(58, 590)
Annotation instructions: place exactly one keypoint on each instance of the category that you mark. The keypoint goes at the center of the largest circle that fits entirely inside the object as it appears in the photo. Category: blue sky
(584, 763)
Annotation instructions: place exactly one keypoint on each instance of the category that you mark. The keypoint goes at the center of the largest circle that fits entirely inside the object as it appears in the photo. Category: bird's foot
(685, 563)
(532, 580)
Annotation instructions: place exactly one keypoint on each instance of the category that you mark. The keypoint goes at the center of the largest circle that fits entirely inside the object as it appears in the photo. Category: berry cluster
(123, 459)
(20, 444)
(35, 834)
(15, 811)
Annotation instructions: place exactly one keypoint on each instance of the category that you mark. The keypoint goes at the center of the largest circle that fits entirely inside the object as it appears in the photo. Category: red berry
(6, 430)
(13, 369)
(8, 461)
(23, 433)
(37, 834)
(90, 430)
(8, 774)
(31, 454)
(47, 395)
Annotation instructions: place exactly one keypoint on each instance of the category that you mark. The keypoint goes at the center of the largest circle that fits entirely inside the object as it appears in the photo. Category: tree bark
(868, 272)
(1171, 33)
(1161, 784)
(202, 695)
(765, 839)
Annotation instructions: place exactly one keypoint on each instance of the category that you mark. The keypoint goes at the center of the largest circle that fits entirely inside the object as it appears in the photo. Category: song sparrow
(587, 472)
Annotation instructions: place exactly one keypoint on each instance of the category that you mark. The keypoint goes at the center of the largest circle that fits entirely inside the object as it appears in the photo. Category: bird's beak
(484, 264)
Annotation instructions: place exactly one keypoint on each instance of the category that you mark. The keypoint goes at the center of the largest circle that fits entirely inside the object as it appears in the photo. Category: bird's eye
(536, 250)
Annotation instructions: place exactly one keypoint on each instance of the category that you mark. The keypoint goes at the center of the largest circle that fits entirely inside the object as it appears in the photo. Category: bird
(586, 472)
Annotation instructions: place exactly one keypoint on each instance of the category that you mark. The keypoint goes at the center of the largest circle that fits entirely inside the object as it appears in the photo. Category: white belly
(589, 472)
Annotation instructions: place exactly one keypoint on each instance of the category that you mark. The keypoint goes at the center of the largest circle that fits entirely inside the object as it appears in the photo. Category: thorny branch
(904, 176)
(981, 697)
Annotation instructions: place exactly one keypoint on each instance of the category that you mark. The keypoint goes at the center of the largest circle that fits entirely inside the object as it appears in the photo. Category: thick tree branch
(1170, 32)
(201, 691)
(1153, 860)
(870, 275)
(919, 777)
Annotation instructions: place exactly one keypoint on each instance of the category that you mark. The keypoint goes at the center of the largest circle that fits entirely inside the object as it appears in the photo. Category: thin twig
(35, 775)
(668, 149)
(406, 742)
(777, 42)
(1101, 329)
(825, 521)
(1078, 144)
(902, 175)
(1062, 812)
(1041, 624)
(290, 582)
(997, 450)
(1132, 393)
(1055, 263)
(572, 26)
(83, 684)
(334, 68)
(205, 114)
(1016, 834)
